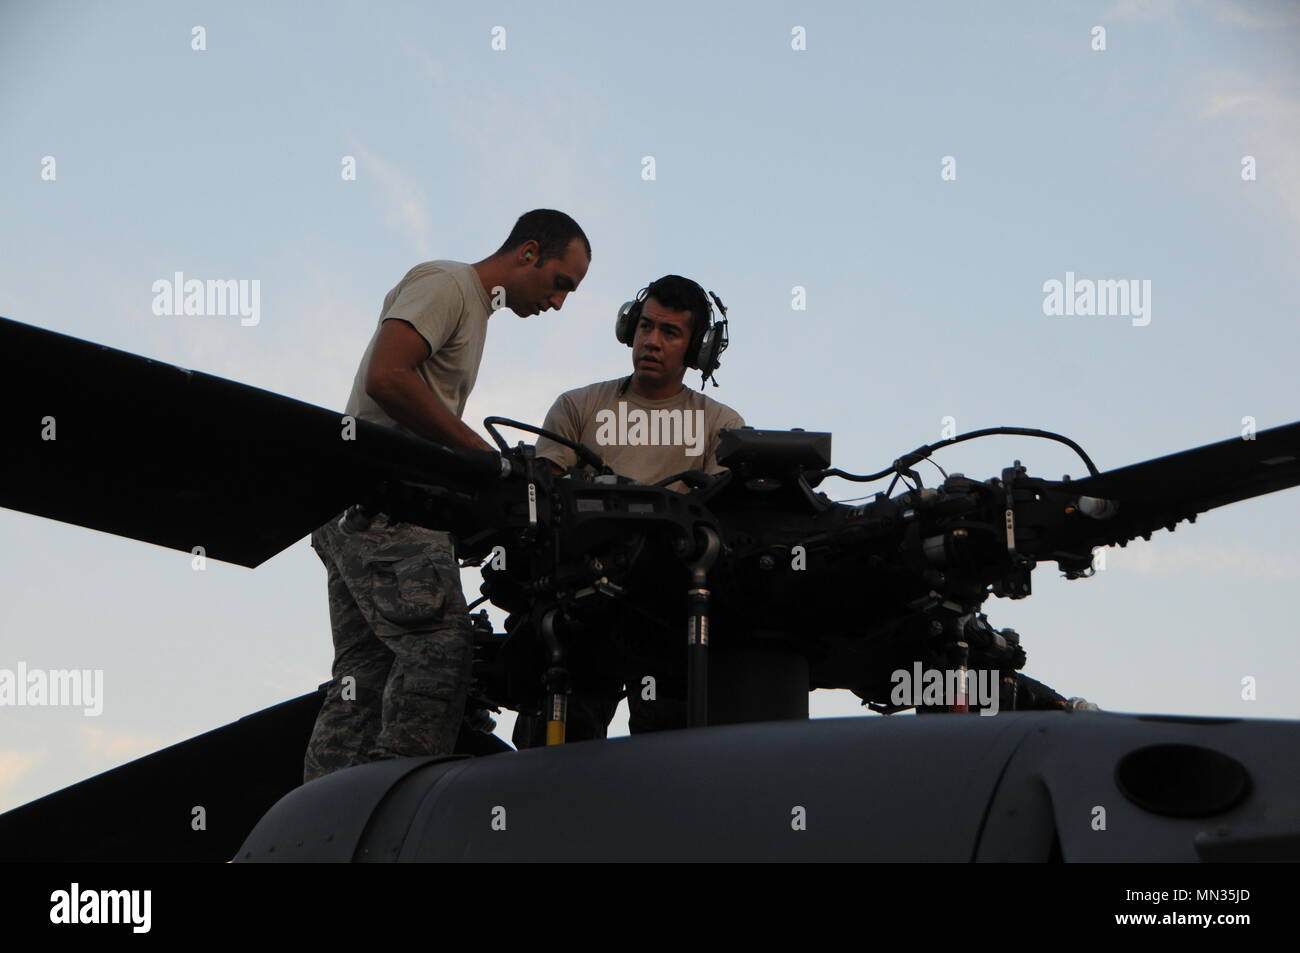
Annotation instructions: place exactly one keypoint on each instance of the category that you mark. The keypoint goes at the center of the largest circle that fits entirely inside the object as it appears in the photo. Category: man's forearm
(405, 397)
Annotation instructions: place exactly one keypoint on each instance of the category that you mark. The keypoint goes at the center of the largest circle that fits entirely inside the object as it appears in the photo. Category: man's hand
(393, 382)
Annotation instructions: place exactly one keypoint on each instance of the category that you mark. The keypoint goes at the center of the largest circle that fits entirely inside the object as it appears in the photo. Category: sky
(913, 174)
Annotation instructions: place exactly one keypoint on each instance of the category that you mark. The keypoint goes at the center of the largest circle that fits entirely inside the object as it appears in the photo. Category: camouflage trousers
(403, 645)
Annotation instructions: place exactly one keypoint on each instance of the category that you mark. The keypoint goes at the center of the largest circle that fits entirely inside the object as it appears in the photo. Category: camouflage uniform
(401, 630)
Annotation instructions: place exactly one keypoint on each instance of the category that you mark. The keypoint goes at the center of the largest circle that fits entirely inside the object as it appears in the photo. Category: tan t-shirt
(646, 440)
(447, 304)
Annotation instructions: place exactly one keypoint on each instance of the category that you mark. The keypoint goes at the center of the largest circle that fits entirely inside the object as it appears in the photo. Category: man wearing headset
(648, 426)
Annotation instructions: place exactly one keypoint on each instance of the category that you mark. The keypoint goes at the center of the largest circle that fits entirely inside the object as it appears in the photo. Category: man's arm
(393, 382)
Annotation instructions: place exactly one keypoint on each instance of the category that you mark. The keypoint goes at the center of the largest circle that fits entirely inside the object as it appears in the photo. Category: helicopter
(768, 588)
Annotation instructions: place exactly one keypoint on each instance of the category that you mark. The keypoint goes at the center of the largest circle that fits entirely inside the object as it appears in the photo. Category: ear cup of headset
(628, 316)
(695, 351)
(625, 327)
(711, 347)
(696, 347)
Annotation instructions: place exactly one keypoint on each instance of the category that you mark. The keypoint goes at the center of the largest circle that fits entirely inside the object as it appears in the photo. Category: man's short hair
(552, 230)
(681, 294)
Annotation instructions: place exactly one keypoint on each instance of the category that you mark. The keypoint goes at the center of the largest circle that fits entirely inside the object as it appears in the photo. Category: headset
(708, 338)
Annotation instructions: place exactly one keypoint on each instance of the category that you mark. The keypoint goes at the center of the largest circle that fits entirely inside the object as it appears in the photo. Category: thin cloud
(1266, 123)
(490, 123)
(1254, 16)
(1258, 15)
(1206, 561)
(116, 747)
(14, 765)
(401, 194)
(1140, 10)
(1255, 109)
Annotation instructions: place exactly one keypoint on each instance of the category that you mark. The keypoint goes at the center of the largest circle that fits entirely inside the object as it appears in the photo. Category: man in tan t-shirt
(402, 636)
(648, 427)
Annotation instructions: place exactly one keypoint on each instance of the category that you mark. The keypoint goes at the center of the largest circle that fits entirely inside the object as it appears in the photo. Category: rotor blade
(1207, 477)
(138, 448)
(1163, 492)
(143, 811)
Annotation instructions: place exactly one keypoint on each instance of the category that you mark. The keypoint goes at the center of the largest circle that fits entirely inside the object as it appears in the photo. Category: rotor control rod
(557, 682)
(961, 662)
(697, 633)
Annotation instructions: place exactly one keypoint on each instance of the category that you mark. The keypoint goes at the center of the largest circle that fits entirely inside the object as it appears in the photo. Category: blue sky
(774, 168)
